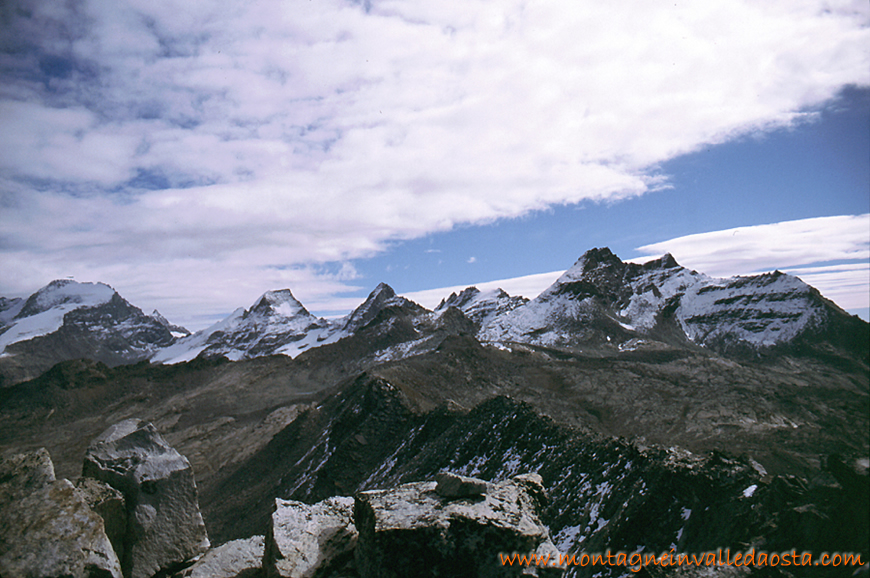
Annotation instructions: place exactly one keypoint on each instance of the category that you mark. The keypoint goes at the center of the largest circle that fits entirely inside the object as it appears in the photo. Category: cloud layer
(212, 150)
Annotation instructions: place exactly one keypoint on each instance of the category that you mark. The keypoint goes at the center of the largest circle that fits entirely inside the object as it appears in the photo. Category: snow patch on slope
(44, 311)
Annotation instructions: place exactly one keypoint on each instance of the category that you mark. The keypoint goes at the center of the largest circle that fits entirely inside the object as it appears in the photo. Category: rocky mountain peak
(66, 292)
(279, 303)
(382, 290)
(459, 299)
(156, 315)
(595, 258)
(382, 297)
(666, 261)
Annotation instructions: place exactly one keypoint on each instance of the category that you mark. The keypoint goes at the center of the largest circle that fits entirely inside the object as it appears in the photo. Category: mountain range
(662, 408)
(600, 303)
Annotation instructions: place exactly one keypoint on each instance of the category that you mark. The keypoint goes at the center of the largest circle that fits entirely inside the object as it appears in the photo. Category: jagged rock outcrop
(164, 524)
(304, 540)
(48, 528)
(110, 505)
(482, 306)
(452, 486)
(413, 530)
(235, 559)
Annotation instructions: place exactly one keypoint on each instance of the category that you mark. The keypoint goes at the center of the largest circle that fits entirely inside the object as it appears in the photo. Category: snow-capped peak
(382, 297)
(481, 306)
(280, 303)
(602, 297)
(68, 294)
(276, 323)
(43, 312)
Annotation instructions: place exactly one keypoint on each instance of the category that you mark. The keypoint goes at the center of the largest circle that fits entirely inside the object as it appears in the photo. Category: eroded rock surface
(109, 504)
(48, 528)
(412, 530)
(164, 524)
(450, 485)
(310, 540)
(21, 474)
(235, 559)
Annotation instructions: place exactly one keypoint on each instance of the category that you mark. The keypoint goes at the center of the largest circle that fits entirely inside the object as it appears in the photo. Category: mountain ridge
(600, 303)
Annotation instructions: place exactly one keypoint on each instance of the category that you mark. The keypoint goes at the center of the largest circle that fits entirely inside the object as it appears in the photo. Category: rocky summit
(456, 526)
(635, 408)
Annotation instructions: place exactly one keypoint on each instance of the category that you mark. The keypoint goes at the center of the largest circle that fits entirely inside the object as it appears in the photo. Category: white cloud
(293, 134)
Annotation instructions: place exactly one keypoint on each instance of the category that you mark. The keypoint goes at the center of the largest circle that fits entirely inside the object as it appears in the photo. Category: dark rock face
(48, 528)
(413, 530)
(164, 525)
(110, 505)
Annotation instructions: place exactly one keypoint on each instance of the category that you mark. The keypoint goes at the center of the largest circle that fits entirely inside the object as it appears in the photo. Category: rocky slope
(386, 428)
(69, 320)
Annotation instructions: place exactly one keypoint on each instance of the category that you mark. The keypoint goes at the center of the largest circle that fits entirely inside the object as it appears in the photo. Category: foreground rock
(413, 530)
(109, 504)
(48, 528)
(306, 541)
(453, 486)
(164, 524)
(235, 559)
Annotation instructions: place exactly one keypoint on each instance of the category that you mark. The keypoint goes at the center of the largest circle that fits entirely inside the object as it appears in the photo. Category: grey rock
(310, 540)
(164, 524)
(451, 485)
(24, 473)
(235, 559)
(109, 504)
(48, 527)
(412, 530)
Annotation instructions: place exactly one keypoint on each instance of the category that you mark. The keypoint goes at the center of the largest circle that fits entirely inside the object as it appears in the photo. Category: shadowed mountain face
(661, 408)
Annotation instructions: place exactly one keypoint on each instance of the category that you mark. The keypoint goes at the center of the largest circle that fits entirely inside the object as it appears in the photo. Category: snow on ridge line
(50, 305)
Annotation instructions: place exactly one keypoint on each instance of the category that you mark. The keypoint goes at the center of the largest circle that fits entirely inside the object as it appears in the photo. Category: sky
(196, 154)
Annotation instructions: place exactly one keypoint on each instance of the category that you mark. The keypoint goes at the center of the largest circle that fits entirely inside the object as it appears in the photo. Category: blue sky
(194, 155)
(820, 168)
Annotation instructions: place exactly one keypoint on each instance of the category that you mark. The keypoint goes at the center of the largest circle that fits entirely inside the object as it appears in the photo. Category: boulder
(48, 528)
(236, 559)
(451, 486)
(164, 524)
(413, 530)
(24, 473)
(109, 504)
(310, 540)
